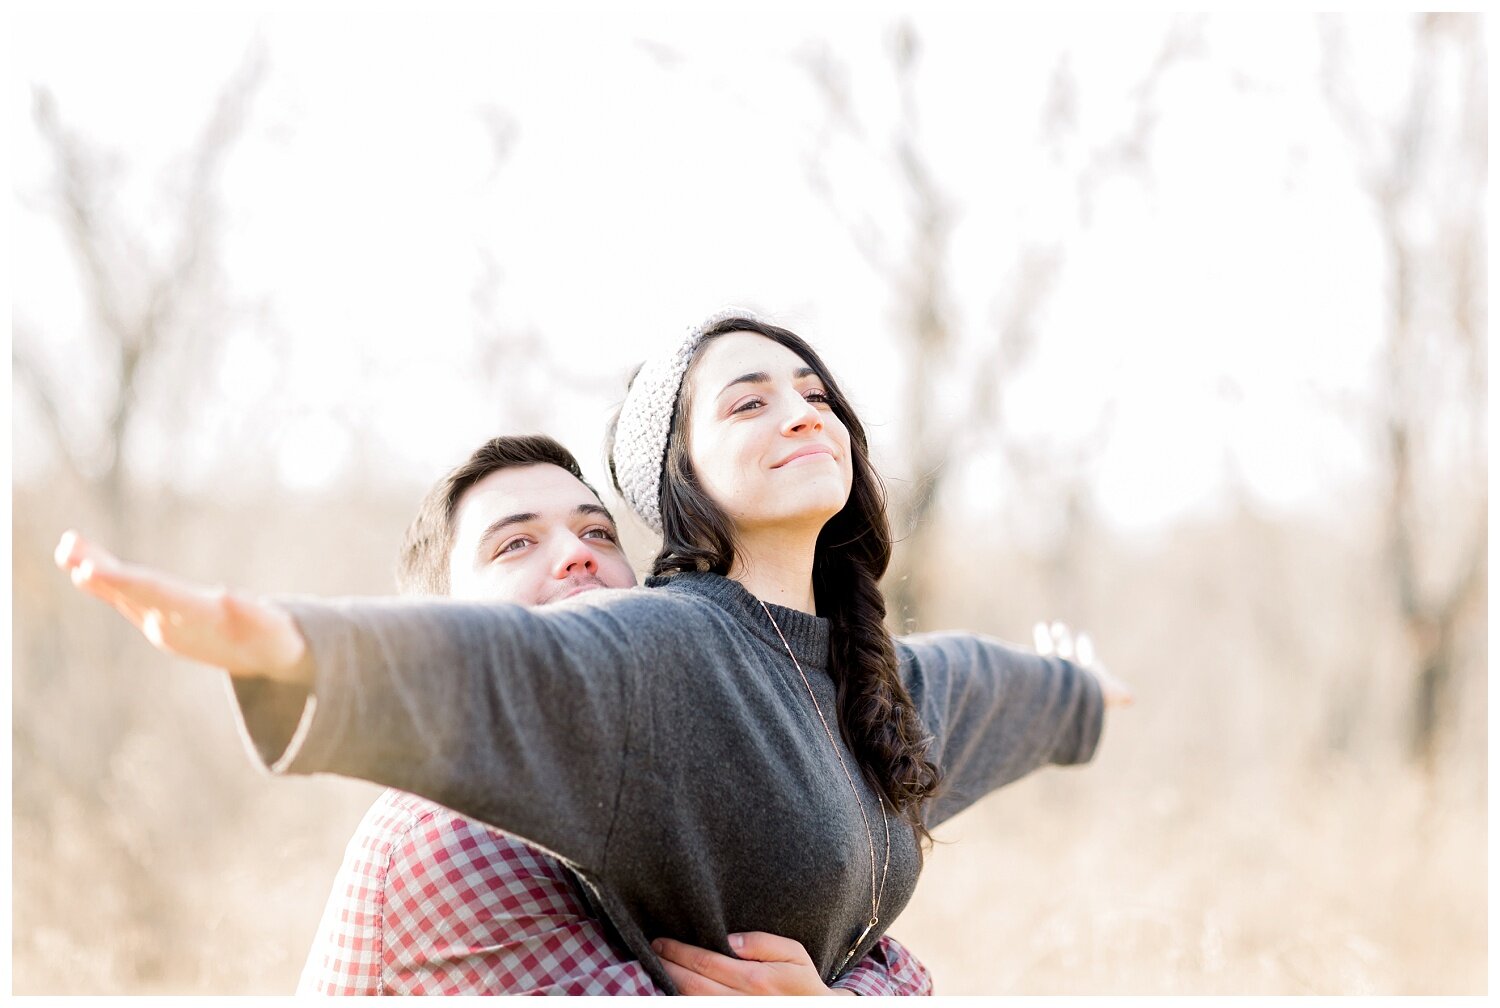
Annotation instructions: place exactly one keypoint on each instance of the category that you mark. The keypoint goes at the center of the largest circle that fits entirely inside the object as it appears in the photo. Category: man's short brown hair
(422, 566)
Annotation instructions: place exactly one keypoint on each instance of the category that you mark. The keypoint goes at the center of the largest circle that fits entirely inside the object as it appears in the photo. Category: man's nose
(573, 557)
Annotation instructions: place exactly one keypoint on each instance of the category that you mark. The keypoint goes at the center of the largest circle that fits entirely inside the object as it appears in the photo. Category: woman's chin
(810, 516)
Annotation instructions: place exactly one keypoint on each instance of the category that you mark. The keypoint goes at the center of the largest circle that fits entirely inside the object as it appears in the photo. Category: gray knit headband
(640, 449)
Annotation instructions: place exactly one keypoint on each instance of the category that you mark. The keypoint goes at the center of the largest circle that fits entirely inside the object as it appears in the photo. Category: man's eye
(512, 545)
(600, 533)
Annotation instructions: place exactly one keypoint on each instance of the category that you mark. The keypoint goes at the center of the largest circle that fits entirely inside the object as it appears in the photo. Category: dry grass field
(1225, 840)
(1335, 880)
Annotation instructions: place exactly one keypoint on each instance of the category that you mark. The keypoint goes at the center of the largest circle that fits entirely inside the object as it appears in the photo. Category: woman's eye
(817, 396)
(747, 406)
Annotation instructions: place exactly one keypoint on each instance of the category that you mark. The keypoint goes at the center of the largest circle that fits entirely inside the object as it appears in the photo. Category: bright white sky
(1221, 303)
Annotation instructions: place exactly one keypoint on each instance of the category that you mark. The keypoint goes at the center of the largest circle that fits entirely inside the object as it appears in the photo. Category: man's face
(533, 534)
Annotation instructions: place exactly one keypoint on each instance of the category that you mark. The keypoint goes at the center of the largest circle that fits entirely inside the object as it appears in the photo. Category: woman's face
(763, 439)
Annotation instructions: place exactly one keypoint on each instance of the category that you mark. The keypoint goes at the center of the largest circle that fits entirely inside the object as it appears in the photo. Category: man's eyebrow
(760, 377)
(500, 523)
(595, 509)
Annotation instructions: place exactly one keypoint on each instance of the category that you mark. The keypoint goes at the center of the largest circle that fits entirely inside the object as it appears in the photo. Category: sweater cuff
(1090, 720)
(277, 717)
(274, 718)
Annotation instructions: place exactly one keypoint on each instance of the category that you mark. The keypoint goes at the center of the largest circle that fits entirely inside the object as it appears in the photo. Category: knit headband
(640, 449)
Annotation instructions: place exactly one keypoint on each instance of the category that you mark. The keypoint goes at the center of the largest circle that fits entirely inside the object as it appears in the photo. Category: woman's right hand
(247, 636)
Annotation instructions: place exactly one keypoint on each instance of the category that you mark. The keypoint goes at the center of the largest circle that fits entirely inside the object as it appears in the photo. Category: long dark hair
(876, 715)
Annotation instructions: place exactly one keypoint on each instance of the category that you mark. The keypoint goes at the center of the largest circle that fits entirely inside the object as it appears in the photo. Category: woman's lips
(805, 453)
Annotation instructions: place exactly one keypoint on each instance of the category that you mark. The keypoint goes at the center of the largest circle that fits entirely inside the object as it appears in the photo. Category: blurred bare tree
(929, 354)
(520, 359)
(1424, 167)
(151, 312)
(96, 823)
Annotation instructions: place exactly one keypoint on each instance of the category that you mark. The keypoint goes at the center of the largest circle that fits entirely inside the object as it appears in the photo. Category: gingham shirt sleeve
(470, 910)
(345, 958)
(890, 969)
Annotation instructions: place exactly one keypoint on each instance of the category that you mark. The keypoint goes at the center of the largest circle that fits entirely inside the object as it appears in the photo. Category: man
(429, 902)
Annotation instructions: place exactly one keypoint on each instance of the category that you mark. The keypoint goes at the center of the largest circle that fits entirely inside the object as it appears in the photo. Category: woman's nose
(804, 415)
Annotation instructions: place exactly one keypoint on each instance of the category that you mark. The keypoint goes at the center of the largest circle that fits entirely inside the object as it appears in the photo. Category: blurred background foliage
(1295, 805)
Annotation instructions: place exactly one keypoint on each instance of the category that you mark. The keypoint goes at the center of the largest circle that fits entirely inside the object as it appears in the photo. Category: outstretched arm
(489, 709)
(216, 626)
(997, 712)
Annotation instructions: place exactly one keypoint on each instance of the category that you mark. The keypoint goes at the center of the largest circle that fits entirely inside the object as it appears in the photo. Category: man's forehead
(543, 489)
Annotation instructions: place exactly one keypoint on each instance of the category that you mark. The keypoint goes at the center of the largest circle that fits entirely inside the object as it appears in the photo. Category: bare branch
(85, 221)
(26, 371)
(1129, 150)
(138, 304)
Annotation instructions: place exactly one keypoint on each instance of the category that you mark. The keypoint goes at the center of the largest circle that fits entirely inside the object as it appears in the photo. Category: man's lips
(577, 586)
(803, 453)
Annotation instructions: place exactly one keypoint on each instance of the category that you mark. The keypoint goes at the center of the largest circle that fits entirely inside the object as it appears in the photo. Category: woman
(740, 747)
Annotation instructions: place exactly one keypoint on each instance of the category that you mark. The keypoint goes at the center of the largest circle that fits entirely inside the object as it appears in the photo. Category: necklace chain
(875, 894)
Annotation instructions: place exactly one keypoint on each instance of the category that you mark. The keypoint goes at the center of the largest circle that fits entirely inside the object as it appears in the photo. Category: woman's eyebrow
(753, 378)
(760, 378)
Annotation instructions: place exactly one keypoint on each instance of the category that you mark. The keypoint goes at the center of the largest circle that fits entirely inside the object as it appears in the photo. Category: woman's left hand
(1057, 638)
(767, 964)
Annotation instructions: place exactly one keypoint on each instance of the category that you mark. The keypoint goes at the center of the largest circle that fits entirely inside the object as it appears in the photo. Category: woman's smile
(803, 454)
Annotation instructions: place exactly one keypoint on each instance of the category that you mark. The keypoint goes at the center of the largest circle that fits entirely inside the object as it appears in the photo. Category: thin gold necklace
(875, 895)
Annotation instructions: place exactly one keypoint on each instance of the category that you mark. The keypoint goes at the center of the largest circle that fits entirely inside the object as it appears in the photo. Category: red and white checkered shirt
(428, 902)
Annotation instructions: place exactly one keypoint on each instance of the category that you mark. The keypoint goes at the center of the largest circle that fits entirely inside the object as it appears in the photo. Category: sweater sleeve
(996, 712)
(519, 718)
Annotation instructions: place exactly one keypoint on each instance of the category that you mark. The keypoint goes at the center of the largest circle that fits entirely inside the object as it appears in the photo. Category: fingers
(66, 547)
(73, 549)
(1056, 638)
(143, 587)
(1116, 693)
(136, 591)
(155, 604)
(97, 587)
(766, 964)
(1085, 650)
(762, 947)
(1041, 638)
(1062, 639)
(691, 984)
(208, 624)
(1053, 638)
(81, 561)
(89, 568)
(702, 970)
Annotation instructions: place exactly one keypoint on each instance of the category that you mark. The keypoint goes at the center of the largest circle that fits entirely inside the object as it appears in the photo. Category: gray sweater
(662, 744)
